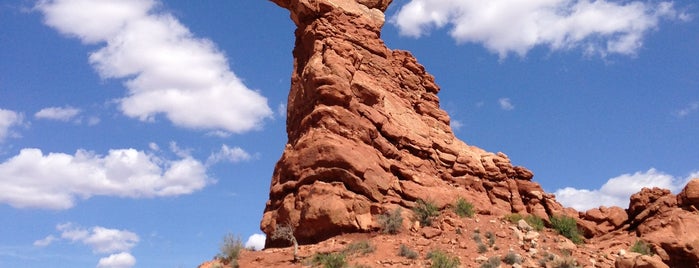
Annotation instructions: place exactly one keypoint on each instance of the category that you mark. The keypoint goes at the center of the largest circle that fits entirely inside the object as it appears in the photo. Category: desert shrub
(286, 232)
(513, 218)
(391, 221)
(568, 227)
(512, 258)
(425, 211)
(442, 260)
(463, 208)
(535, 222)
(564, 262)
(329, 260)
(230, 249)
(405, 251)
(492, 262)
(476, 237)
(547, 257)
(641, 247)
(491, 238)
(362, 247)
(482, 248)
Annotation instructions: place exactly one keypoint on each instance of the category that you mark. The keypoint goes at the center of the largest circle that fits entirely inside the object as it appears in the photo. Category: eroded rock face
(366, 133)
(673, 230)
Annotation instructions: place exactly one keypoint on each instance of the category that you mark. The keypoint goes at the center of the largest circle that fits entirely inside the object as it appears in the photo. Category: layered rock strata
(366, 134)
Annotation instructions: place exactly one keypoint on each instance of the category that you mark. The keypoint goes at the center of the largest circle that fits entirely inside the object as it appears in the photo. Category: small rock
(523, 225)
(622, 252)
(531, 235)
(431, 232)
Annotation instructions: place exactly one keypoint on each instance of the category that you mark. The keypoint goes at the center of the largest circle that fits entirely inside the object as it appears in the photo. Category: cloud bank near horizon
(617, 191)
(504, 27)
(101, 240)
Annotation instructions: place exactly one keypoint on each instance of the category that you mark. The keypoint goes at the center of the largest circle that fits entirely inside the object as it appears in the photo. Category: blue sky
(137, 133)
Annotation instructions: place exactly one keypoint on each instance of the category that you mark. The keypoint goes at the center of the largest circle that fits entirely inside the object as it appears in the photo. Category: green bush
(513, 218)
(425, 211)
(568, 227)
(492, 262)
(442, 260)
(535, 222)
(392, 221)
(329, 260)
(405, 251)
(641, 247)
(463, 208)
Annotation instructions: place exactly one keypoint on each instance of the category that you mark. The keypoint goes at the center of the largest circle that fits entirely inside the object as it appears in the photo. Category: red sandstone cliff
(366, 133)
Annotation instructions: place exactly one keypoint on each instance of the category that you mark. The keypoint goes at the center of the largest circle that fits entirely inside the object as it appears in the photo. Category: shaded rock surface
(366, 133)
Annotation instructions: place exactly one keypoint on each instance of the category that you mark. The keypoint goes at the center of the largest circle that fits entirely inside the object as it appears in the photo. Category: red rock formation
(366, 134)
(671, 226)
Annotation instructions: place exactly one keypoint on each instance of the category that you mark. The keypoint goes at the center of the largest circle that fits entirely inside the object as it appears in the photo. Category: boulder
(690, 194)
(636, 260)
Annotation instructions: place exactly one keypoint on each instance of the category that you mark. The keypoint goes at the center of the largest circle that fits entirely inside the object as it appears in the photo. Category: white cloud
(45, 241)
(233, 155)
(281, 110)
(8, 119)
(169, 70)
(617, 191)
(64, 114)
(689, 109)
(505, 26)
(256, 242)
(506, 104)
(119, 260)
(99, 239)
(55, 180)
(456, 124)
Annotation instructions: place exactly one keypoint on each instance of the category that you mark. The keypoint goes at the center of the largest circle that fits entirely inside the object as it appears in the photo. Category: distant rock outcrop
(366, 134)
(670, 223)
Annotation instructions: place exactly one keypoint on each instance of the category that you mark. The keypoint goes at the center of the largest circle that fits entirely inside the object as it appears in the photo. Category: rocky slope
(667, 223)
(367, 136)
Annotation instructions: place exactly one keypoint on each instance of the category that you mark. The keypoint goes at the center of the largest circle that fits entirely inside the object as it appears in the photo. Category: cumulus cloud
(689, 109)
(8, 119)
(617, 191)
(119, 260)
(33, 179)
(505, 26)
(168, 70)
(233, 155)
(256, 242)
(101, 240)
(64, 114)
(506, 104)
